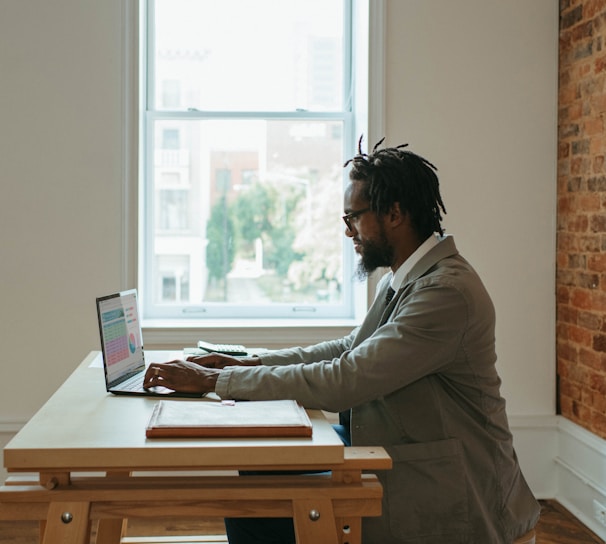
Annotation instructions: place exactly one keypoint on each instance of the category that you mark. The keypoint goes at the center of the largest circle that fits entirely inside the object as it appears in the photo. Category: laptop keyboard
(134, 384)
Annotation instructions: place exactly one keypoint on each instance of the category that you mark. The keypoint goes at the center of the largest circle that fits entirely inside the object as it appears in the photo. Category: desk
(93, 462)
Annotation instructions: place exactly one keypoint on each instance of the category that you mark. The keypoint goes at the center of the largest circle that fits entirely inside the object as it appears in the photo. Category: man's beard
(373, 255)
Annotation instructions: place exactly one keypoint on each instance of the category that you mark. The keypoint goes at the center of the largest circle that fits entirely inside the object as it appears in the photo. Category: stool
(527, 538)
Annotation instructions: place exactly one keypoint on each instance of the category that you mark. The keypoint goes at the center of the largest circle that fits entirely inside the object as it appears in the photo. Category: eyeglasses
(353, 215)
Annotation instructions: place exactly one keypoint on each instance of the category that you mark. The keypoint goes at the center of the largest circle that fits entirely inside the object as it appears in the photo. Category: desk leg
(314, 521)
(350, 530)
(111, 531)
(51, 480)
(67, 523)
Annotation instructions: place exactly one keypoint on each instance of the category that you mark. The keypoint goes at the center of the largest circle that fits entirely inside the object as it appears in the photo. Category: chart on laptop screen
(121, 332)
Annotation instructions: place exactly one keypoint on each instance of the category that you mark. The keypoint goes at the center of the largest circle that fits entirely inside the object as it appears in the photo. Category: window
(170, 138)
(249, 117)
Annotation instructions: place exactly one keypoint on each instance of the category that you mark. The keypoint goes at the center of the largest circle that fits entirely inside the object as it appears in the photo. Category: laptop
(122, 347)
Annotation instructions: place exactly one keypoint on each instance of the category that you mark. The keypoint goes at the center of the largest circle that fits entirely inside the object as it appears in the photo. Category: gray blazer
(419, 377)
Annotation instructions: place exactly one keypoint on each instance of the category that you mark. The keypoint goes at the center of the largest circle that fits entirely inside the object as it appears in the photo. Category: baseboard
(581, 472)
(565, 462)
(10, 427)
(535, 439)
(7, 431)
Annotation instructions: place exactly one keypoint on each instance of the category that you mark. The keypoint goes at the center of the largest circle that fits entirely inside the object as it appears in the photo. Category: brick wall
(581, 229)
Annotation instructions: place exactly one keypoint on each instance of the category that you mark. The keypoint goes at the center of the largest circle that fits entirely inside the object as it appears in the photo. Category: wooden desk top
(82, 428)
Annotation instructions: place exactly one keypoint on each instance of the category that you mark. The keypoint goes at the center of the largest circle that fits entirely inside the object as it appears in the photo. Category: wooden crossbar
(249, 499)
(320, 504)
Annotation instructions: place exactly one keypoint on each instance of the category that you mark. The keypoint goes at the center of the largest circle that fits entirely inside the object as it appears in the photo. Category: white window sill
(258, 333)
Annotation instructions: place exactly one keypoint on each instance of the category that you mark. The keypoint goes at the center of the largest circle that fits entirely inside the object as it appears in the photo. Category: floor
(557, 526)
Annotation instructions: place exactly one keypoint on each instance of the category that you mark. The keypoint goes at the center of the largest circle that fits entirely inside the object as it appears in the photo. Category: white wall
(470, 84)
(60, 177)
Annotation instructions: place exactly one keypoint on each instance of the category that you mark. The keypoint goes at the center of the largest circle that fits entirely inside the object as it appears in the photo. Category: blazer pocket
(426, 492)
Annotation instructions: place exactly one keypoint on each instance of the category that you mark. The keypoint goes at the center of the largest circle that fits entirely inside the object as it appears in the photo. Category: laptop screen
(121, 340)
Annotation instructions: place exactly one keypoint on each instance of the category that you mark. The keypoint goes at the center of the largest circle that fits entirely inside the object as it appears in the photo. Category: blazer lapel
(376, 314)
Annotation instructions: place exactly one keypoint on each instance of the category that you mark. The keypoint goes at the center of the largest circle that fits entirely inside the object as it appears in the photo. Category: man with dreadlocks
(417, 377)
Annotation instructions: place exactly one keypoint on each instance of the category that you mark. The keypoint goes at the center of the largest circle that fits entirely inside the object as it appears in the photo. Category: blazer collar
(446, 248)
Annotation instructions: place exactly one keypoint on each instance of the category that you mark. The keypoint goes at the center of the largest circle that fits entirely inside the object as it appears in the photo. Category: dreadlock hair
(393, 175)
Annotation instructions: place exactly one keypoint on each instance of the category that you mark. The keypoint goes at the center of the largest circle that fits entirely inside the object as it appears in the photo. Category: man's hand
(182, 376)
(219, 360)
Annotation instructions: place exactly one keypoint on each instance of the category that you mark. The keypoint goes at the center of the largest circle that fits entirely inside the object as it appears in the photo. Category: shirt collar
(407, 265)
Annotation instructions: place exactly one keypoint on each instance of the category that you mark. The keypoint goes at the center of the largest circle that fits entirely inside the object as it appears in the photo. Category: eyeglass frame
(347, 218)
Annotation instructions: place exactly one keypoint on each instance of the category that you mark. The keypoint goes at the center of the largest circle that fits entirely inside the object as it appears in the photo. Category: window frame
(369, 120)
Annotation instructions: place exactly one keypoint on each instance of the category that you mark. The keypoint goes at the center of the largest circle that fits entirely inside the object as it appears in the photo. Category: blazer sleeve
(319, 352)
(422, 335)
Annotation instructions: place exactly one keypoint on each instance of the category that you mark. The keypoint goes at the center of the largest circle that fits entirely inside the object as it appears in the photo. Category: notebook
(122, 347)
(226, 419)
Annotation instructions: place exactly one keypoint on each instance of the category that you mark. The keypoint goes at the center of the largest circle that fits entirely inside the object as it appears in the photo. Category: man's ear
(395, 216)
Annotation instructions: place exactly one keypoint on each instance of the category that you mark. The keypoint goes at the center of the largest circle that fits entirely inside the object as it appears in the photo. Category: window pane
(173, 276)
(248, 212)
(243, 55)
